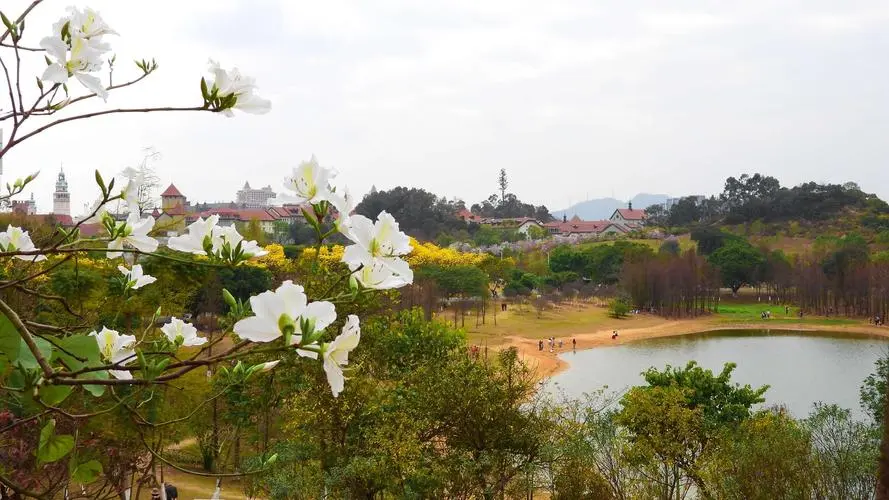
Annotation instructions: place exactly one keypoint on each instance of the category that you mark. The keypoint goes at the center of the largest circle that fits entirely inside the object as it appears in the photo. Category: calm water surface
(800, 367)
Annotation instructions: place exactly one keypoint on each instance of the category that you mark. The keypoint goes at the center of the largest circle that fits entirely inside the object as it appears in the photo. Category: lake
(800, 367)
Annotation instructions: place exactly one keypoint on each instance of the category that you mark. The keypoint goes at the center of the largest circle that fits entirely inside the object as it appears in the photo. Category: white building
(61, 199)
(254, 198)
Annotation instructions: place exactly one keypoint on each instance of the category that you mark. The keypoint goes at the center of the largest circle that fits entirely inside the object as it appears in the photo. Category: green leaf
(53, 447)
(26, 358)
(87, 472)
(9, 341)
(7, 22)
(204, 90)
(54, 394)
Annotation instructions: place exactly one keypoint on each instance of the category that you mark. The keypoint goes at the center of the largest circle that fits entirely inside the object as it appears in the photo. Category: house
(526, 225)
(581, 229)
(467, 216)
(628, 217)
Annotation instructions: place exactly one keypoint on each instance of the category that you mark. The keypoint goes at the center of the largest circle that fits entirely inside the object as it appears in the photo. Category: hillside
(602, 208)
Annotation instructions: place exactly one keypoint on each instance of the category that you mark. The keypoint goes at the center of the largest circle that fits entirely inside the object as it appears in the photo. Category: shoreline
(548, 364)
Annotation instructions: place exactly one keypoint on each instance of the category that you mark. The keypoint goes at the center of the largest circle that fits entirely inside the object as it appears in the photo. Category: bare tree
(150, 179)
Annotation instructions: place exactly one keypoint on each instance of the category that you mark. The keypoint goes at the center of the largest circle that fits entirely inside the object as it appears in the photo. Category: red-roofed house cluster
(176, 213)
(622, 221)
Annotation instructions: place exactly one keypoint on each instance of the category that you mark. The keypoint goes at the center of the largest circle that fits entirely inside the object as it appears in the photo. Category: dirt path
(548, 364)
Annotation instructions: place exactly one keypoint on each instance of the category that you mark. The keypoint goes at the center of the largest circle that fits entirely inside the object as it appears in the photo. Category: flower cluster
(206, 237)
(75, 49)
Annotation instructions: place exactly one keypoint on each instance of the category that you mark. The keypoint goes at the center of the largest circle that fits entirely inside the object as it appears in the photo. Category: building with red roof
(628, 217)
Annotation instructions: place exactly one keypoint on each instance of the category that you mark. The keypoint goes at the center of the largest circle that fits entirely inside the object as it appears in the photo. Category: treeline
(758, 197)
(428, 217)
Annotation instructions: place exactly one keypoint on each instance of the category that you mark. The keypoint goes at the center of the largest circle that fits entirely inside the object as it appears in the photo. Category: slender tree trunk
(883, 466)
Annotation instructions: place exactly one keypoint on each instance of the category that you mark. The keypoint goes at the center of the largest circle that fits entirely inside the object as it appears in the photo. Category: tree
(685, 211)
(873, 390)
(679, 416)
(845, 453)
(766, 457)
(738, 263)
(150, 180)
(656, 215)
(503, 183)
(420, 213)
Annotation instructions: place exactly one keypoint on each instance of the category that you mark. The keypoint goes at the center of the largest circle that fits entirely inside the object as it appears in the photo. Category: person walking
(560, 343)
(574, 343)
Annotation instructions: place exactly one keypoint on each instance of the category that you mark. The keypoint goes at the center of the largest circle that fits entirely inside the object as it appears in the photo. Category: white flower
(230, 235)
(135, 234)
(227, 83)
(269, 365)
(200, 230)
(79, 51)
(14, 238)
(344, 203)
(310, 183)
(378, 246)
(178, 329)
(115, 348)
(284, 308)
(379, 276)
(130, 193)
(88, 23)
(336, 354)
(193, 241)
(135, 278)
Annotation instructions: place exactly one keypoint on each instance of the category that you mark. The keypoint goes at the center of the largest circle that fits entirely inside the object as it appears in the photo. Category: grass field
(563, 321)
(685, 242)
(568, 320)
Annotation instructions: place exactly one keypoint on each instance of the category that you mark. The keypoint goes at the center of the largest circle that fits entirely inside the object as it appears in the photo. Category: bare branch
(22, 16)
(21, 47)
(91, 115)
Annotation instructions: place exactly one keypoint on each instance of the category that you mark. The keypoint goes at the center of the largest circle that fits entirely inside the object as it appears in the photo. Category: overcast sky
(575, 99)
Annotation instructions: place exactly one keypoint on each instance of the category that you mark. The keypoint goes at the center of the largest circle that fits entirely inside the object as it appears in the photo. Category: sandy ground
(548, 364)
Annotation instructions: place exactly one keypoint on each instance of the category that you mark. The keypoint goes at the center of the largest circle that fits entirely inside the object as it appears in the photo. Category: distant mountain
(602, 208)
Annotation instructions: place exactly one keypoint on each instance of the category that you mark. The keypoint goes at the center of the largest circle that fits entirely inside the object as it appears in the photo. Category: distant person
(540, 345)
(574, 344)
(560, 343)
(786, 310)
(800, 313)
(171, 491)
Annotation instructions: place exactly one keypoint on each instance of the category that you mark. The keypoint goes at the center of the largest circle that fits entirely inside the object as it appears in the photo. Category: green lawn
(563, 321)
(750, 313)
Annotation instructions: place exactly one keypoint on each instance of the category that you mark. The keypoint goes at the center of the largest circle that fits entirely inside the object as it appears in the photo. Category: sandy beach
(548, 364)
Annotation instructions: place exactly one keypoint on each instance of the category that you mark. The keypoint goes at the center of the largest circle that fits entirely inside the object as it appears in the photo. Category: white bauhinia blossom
(319, 315)
(378, 246)
(269, 365)
(115, 348)
(336, 354)
(206, 230)
(16, 239)
(130, 192)
(78, 51)
(136, 279)
(178, 329)
(378, 275)
(286, 307)
(344, 203)
(310, 183)
(230, 235)
(226, 83)
(193, 240)
(135, 234)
